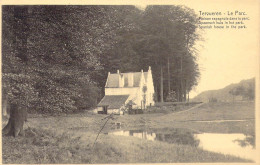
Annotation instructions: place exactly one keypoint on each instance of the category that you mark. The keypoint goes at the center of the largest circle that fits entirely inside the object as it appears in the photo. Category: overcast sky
(227, 56)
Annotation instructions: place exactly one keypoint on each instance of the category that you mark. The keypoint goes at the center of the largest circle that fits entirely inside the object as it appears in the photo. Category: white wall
(134, 93)
(114, 111)
(150, 90)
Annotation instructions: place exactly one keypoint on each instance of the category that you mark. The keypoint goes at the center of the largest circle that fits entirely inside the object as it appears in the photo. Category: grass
(188, 119)
(69, 138)
(220, 110)
(43, 146)
(170, 107)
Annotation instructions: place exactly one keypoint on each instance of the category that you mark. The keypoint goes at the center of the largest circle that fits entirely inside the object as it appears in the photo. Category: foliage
(51, 55)
(171, 97)
(244, 90)
(160, 34)
(56, 58)
(247, 92)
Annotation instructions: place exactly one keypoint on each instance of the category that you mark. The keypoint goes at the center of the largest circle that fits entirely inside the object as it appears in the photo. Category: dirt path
(197, 106)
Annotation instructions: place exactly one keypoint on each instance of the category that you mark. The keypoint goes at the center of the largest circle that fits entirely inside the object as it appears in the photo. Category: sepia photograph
(130, 82)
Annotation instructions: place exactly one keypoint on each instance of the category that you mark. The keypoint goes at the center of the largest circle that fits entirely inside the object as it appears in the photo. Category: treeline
(56, 58)
(242, 91)
(245, 89)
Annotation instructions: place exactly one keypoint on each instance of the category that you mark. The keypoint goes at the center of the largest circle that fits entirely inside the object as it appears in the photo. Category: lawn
(70, 138)
(41, 146)
(219, 111)
(190, 119)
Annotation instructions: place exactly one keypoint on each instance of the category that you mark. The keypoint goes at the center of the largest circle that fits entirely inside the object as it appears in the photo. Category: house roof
(113, 101)
(145, 76)
(113, 79)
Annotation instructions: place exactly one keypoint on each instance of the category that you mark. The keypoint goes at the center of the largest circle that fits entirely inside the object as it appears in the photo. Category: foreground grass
(42, 146)
(52, 145)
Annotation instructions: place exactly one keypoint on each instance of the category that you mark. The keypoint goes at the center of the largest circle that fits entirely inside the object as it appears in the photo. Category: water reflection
(186, 139)
(217, 121)
(249, 140)
(177, 137)
(227, 144)
(233, 144)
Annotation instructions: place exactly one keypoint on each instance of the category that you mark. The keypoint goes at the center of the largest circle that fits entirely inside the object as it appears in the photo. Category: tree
(51, 55)
(247, 91)
(163, 38)
(55, 58)
(175, 26)
(15, 123)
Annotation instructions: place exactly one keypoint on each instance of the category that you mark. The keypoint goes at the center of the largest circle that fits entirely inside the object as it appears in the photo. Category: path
(197, 106)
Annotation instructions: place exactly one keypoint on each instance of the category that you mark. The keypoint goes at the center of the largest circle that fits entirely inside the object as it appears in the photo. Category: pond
(240, 145)
(177, 136)
(233, 144)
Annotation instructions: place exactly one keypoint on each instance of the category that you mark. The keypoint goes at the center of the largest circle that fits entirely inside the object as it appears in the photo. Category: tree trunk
(5, 108)
(169, 77)
(181, 91)
(185, 91)
(156, 92)
(178, 93)
(17, 118)
(21, 31)
(161, 90)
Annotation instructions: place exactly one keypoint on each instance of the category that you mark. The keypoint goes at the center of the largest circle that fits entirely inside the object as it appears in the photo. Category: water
(177, 136)
(218, 121)
(232, 144)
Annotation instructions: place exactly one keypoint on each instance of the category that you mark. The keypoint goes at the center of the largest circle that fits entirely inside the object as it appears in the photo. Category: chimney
(149, 69)
(108, 73)
(117, 71)
(142, 71)
(130, 79)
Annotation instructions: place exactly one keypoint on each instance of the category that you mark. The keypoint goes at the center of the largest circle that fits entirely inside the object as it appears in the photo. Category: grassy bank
(219, 111)
(195, 119)
(46, 141)
(41, 146)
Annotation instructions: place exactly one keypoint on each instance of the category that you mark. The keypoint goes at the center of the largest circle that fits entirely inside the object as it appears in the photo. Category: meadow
(70, 138)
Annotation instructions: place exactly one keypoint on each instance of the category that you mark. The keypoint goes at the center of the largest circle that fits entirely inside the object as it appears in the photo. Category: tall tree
(162, 37)
(53, 58)
(176, 25)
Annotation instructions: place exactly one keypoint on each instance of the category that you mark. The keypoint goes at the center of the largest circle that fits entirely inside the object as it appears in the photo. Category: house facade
(133, 90)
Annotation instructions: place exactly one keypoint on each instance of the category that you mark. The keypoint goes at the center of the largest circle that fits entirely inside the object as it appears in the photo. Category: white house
(132, 90)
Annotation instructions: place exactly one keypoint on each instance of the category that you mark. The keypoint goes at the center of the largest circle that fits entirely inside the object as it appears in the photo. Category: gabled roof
(113, 101)
(145, 76)
(113, 79)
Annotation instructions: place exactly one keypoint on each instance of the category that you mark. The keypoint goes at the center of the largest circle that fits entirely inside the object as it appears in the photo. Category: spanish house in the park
(127, 91)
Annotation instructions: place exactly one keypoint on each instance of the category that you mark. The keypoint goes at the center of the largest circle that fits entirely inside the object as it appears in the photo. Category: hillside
(244, 90)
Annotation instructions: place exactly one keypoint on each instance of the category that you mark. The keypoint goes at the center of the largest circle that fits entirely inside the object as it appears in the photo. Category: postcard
(116, 82)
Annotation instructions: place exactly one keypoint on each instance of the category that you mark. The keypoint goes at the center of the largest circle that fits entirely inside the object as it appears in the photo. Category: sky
(230, 55)
(226, 56)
